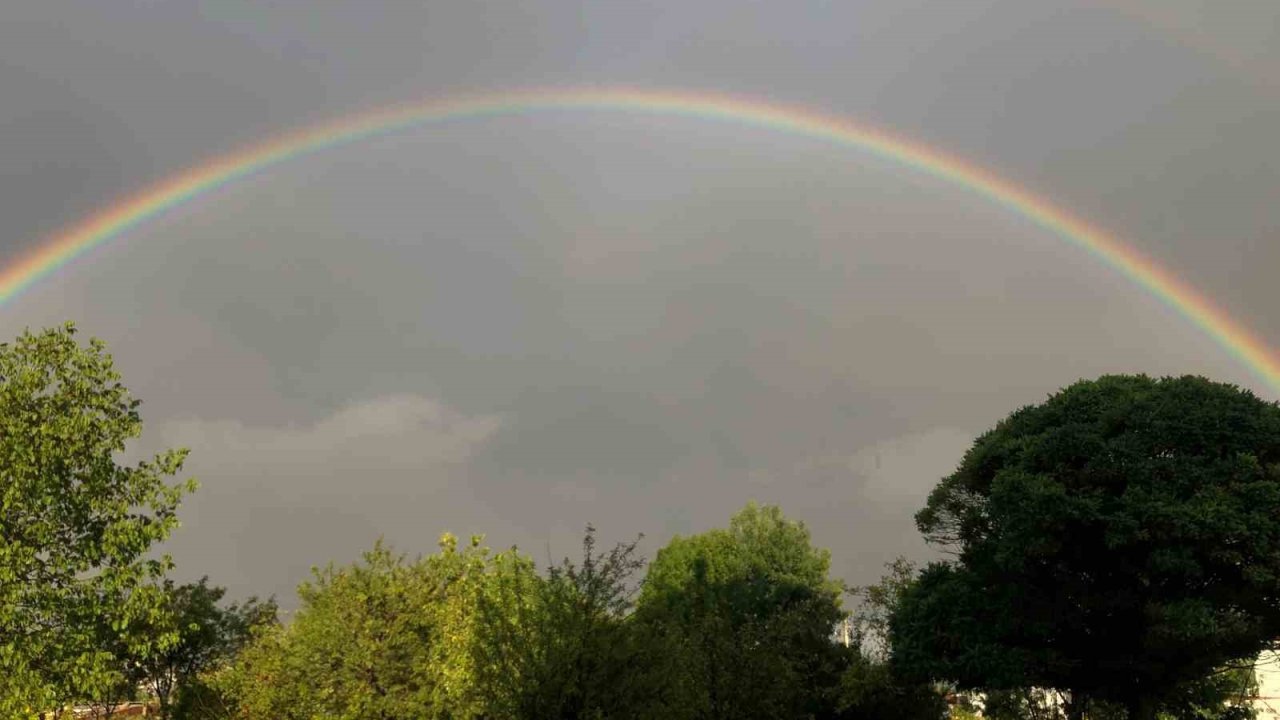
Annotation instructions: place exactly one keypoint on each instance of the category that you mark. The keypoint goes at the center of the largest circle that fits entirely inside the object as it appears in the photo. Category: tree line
(1113, 553)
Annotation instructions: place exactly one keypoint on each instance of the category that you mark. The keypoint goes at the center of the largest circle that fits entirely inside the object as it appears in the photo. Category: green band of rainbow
(175, 190)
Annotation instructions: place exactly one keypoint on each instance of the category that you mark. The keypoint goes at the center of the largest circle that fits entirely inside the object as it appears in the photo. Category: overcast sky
(515, 326)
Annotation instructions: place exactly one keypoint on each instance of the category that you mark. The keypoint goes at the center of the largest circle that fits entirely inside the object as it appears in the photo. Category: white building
(1268, 701)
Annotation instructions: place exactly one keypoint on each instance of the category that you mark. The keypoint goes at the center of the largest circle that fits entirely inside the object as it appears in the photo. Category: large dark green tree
(1119, 541)
(75, 524)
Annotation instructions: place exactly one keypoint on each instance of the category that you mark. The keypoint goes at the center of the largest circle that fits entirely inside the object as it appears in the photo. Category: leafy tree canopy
(387, 637)
(1119, 540)
(75, 525)
(562, 645)
(750, 613)
(206, 634)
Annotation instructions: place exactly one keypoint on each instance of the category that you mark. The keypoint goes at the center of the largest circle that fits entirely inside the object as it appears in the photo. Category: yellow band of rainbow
(110, 223)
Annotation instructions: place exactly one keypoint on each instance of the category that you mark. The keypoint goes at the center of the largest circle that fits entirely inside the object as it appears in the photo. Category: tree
(870, 689)
(386, 637)
(876, 605)
(75, 525)
(1031, 704)
(205, 635)
(120, 683)
(748, 613)
(561, 646)
(204, 693)
(1119, 541)
(1222, 695)
(355, 650)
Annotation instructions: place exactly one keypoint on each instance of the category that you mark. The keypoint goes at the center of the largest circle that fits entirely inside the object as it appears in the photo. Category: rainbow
(170, 192)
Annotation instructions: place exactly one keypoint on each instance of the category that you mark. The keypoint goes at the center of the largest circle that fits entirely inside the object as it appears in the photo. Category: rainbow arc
(112, 222)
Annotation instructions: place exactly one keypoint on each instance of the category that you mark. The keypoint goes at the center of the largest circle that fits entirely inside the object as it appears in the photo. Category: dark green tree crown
(1122, 536)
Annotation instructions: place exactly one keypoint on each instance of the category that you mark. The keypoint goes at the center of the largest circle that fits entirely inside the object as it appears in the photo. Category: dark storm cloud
(515, 326)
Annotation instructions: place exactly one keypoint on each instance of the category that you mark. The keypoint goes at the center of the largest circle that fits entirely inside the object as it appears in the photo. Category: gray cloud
(400, 461)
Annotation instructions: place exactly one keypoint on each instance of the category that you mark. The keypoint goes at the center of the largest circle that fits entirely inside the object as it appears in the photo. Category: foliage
(468, 634)
(870, 689)
(1116, 554)
(382, 638)
(75, 526)
(461, 634)
(207, 635)
(1222, 695)
(748, 615)
(562, 646)
(876, 604)
(1118, 541)
(1027, 703)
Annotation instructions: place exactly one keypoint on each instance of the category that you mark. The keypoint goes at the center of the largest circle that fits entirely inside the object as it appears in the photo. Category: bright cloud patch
(904, 469)
(276, 499)
(387, 434)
